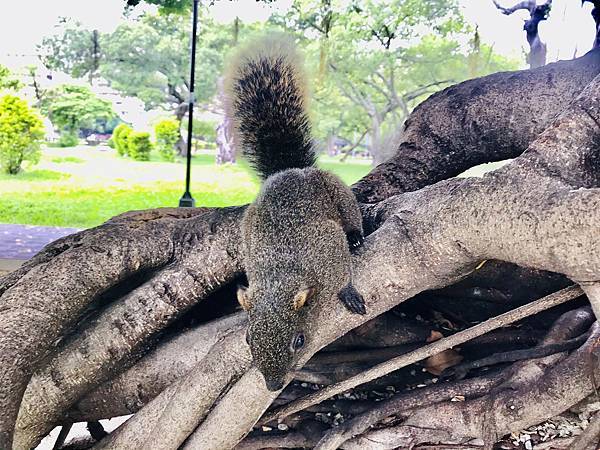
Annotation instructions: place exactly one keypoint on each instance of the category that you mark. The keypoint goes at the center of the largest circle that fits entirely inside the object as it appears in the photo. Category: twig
(352, 147)
(356, 356)
(461, 370)
(399, 362)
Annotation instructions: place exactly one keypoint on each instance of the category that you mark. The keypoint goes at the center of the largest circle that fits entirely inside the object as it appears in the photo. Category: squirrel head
(275, 333)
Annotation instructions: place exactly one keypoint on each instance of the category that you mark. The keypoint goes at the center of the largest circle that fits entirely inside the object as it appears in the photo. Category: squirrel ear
(302, 297)
(242, 296)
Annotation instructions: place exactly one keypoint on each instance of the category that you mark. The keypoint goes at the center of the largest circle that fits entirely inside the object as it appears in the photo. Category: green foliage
(68, 139)
(111, 142)
(166, 6)
(7, 81)
(205, 129)
(167, 135)
(21, 132)
(139, 145)
(158, 71)
(67, 159)
(55, 197)
(375, 60)
(73, 50)
(120, 137)
(72, 107)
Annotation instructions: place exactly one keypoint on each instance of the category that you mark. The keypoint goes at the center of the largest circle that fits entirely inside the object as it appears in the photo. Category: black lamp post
(186, 200)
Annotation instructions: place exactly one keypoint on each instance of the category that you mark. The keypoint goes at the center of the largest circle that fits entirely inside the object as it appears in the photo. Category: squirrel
(298, 233)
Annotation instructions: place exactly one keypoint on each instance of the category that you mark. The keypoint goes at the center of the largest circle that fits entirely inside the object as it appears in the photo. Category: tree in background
(21, 132)
(382, 58)
(537, 13)
(72, 107)
(371, 62)
(155, 71)
(73, 49)
(165, 5)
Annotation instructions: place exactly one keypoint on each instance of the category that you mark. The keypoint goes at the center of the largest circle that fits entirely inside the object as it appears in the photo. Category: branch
(529, 5)
(352, 147)
(423, 90)
(551, 393)
(104, 347)
(590, 435)
(568, 325)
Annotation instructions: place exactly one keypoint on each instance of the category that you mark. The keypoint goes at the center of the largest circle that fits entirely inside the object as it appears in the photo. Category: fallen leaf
(436, 364)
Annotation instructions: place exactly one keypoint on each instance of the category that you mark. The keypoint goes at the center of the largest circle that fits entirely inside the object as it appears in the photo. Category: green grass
(67, 159)
(84, 186)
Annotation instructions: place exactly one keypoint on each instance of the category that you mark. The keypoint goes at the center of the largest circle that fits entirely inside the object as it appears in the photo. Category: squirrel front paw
(355, 239)
(352, 300)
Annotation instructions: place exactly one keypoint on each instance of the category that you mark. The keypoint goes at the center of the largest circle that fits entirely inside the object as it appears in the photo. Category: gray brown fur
(297, 232)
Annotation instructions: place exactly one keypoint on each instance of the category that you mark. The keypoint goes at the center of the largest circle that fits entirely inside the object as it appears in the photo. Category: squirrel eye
(299, 341)
(247, 338)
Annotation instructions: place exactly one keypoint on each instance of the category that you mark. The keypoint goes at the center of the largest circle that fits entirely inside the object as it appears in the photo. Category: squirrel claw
(352, 300)
(355, 239)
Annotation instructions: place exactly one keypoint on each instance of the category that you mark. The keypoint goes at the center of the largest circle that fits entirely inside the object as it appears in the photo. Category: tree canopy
(73, 107)
(370, 62)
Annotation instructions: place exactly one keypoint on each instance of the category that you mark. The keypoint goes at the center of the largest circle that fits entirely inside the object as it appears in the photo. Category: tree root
(590, 438)
(542, 304)
(563, 385)
(570, 324)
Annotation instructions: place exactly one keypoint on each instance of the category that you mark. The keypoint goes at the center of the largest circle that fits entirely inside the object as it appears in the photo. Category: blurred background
(93, 95)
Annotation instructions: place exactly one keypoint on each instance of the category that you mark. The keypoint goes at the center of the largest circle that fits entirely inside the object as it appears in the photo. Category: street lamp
(186, 200)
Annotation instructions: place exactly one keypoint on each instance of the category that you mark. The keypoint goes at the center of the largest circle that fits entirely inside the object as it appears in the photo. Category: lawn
(84, 186)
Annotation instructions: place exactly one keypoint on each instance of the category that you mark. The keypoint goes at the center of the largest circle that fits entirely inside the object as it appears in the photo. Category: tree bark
(483, 120)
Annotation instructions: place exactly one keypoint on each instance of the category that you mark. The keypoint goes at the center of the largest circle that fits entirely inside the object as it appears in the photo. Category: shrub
(111, 143)
(120, 137)
(167, 135)
(21, 132)
(68, 139)
(139, 145)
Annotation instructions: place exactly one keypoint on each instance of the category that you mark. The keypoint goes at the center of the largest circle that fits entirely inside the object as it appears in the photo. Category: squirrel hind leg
(355, 238)
(352, 299)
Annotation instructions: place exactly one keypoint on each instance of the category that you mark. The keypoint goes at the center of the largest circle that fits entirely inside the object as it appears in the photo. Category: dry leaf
(436, 364)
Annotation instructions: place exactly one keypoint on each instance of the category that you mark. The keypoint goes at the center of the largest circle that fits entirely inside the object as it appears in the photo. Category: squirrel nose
(274, 385)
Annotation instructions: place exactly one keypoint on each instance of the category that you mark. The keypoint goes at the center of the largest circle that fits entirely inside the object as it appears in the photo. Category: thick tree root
(571, 324)
(487, 418)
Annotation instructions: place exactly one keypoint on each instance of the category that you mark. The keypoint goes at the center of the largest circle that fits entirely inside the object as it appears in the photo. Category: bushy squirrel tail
(266, 92)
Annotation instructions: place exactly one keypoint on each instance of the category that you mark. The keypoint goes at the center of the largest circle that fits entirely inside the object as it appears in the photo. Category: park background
(86, 67)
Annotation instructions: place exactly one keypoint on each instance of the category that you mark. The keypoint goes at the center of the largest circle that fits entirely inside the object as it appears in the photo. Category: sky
(23, 24)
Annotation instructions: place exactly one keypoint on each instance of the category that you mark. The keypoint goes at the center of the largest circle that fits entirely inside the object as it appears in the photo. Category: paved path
(21, 242)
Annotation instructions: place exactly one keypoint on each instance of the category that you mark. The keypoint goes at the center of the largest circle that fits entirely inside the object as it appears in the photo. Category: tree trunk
(377, 149)
(181, 144)
(115, 319)
(225, 136)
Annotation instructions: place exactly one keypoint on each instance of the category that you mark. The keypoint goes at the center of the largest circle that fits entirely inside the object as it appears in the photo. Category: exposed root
(542, 304)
